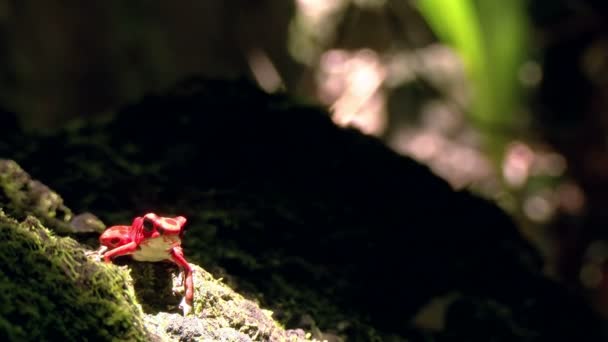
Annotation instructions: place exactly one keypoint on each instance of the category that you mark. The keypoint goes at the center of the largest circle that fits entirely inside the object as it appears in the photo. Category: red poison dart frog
(151, 238)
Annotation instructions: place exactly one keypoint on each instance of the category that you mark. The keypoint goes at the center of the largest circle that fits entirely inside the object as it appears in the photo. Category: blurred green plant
(492, 39)
(490, 36)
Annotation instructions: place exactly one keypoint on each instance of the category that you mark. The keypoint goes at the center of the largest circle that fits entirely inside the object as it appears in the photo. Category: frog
(151, 238)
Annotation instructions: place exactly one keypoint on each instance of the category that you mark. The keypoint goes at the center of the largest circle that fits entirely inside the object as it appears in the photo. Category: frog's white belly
(156, 249)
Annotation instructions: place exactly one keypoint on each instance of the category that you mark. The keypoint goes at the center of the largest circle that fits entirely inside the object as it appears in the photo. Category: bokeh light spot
(517, 162)
(538, 208)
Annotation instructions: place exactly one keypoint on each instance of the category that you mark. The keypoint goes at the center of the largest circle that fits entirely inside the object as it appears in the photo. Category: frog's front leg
(118, 251)
(177, 256)
(97, 254)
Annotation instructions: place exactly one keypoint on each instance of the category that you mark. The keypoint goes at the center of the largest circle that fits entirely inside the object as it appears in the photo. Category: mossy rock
(52, 291)
(55, 288)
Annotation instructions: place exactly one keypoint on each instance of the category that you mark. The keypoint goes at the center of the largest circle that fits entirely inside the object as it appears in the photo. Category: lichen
(52, 291)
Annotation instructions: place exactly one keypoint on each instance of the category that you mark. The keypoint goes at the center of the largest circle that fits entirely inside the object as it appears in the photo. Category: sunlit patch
(350, 83)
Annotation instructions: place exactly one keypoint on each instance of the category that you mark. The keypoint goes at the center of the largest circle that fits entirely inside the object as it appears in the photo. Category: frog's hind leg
(177, 256)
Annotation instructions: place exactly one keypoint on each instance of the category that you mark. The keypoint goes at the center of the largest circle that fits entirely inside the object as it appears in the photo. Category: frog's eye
(148, 225)
(114, 241)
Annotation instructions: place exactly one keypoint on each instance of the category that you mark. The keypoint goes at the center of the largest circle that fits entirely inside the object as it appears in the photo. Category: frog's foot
(185, 306)
(96, 254)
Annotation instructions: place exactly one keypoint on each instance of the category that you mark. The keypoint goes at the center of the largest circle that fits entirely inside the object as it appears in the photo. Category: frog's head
(151, 226)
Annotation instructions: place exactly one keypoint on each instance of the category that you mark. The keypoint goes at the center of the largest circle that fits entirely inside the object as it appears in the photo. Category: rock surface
(54, 288)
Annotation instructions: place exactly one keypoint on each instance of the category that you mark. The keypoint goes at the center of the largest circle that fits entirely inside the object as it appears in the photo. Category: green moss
(51, 290)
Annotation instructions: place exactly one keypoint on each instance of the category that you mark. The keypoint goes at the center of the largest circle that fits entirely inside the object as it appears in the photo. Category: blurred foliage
(491, 38)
